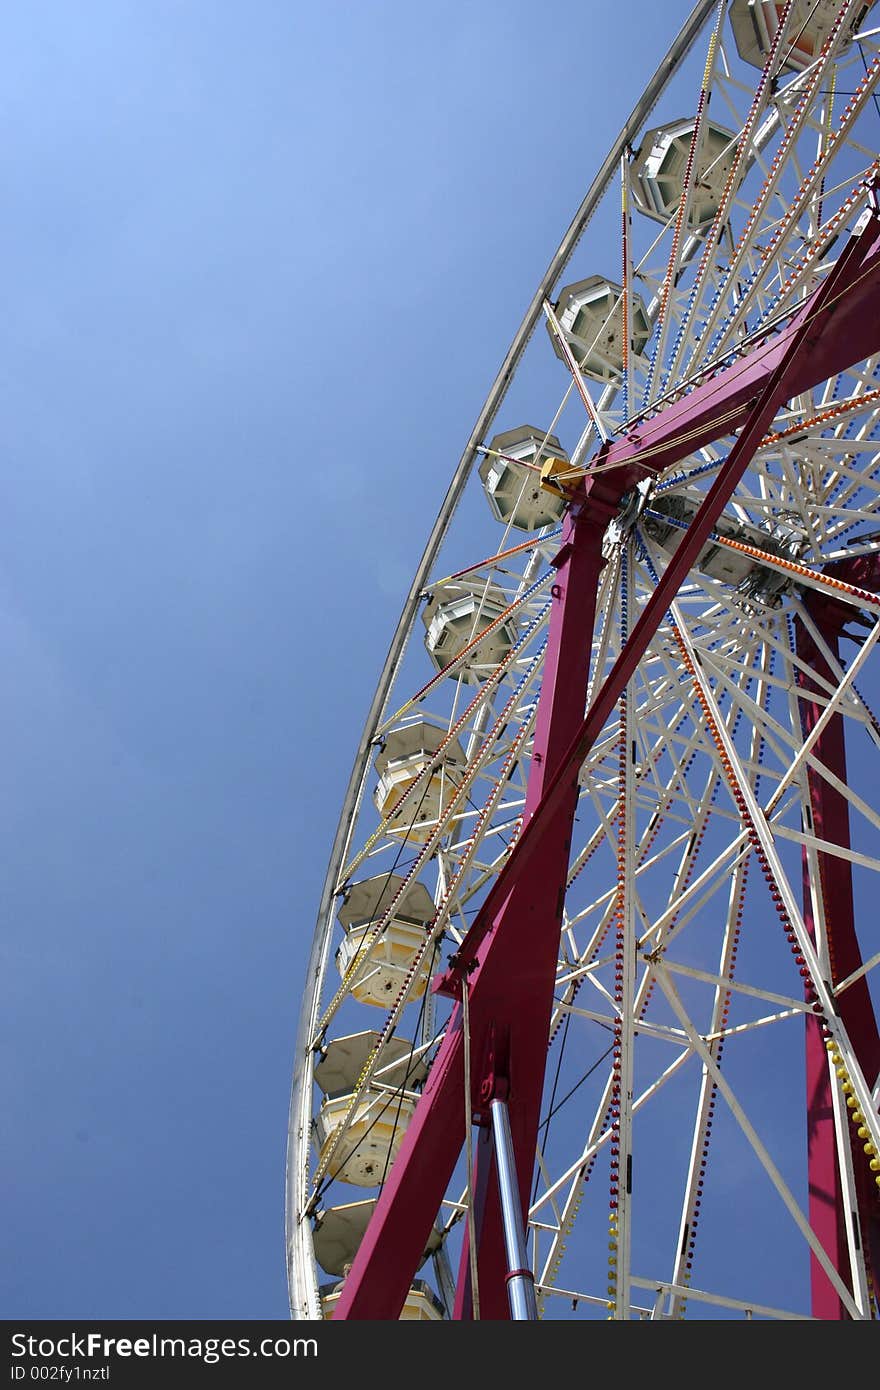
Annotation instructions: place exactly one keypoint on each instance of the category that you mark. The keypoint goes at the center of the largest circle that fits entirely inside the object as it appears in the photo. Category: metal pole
(520, 1279)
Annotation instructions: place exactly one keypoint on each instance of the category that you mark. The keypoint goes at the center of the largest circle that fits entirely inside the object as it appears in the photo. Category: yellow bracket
(559, 477)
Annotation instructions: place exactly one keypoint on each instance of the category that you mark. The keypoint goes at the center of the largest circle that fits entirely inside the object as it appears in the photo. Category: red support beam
(822, 315)
(721, 404)
(532, 915)
(509, 955)
(510, 983)
(830, 821)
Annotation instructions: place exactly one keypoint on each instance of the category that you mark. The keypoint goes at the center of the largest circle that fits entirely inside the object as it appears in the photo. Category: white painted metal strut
(852, 1224)
(599, 1137)
(574, 367)
(302, 1279)
(681, 1266)
(299, 1248)
(843, 1147)
(666, 984)
(762, 830)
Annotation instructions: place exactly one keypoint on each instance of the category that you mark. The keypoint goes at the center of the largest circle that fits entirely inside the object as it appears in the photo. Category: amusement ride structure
(589, 1025)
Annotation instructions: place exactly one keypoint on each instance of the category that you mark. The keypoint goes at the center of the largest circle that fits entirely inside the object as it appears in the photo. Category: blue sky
(261, 263)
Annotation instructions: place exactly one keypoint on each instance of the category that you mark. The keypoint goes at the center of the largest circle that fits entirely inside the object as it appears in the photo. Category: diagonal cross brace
(508, 957)
(510, 989)
(825, 319)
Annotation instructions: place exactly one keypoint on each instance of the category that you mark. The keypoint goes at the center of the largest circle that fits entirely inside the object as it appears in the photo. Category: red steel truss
(508, 959)
(829, 814)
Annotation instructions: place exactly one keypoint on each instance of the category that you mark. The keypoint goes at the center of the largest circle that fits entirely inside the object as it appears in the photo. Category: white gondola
(407, 753)
(659, 170)
(590, 314)
(454, 616)
(379, 967)
(512, 483)
(371, 1140)
(755, 22)
(699, 771)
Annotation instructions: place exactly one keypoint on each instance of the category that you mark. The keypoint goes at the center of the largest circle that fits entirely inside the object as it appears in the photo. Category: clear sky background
(260, 264)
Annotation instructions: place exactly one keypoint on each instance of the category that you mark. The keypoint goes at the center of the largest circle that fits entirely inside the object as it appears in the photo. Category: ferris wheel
(589, 1024)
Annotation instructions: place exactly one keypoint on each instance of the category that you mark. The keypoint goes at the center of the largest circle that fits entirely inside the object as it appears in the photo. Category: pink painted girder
(509, 955)
(830, 821)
